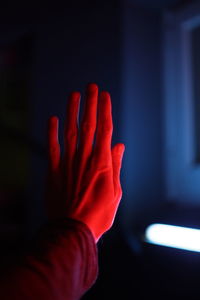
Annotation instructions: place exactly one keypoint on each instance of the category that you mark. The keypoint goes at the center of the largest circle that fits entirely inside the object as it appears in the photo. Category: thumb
(117, 155)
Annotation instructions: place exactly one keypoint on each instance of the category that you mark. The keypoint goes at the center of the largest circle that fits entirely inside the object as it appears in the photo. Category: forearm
(63, 264)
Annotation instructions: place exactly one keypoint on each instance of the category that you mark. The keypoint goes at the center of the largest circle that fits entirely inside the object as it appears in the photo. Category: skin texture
(84, 184)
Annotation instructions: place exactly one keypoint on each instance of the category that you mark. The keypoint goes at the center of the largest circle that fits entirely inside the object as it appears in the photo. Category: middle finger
(88, 125)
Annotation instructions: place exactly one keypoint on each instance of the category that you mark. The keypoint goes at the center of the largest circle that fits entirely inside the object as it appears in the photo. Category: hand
(85, 183)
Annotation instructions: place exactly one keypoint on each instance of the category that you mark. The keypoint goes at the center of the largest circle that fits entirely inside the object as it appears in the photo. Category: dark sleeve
(61, 265)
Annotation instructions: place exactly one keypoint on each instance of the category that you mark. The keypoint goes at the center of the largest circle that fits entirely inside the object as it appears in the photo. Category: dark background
(48, 50)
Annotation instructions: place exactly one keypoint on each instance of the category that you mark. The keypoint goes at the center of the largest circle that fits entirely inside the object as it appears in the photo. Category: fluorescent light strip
(173, 236)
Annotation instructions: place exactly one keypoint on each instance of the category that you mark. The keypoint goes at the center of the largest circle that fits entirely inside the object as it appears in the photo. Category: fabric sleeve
(62, 264)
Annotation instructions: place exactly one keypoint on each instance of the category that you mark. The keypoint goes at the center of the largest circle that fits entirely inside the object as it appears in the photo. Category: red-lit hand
(85, 183)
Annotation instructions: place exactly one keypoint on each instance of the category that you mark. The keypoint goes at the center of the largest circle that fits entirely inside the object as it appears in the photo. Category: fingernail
(92, 87)
(53, 120)
(105, 94)
(121, 149)
(75, 95)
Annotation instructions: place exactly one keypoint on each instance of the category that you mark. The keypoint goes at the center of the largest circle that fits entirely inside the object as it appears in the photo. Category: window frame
(182, 174)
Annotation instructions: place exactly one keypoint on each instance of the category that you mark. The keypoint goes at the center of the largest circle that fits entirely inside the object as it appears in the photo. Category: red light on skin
(87, 179)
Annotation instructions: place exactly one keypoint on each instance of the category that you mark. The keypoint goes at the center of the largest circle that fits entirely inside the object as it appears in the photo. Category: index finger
(104, 129)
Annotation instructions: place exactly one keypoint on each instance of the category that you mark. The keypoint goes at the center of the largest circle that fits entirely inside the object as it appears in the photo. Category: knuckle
(53, 151)
(98, 162)
(106, 129)
(87, 128)
(118, 195)
(70, 134)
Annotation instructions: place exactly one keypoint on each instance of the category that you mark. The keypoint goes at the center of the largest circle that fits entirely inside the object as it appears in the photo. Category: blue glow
(173, 236)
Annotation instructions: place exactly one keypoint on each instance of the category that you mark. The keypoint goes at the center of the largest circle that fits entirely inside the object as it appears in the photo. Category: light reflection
(173, 236)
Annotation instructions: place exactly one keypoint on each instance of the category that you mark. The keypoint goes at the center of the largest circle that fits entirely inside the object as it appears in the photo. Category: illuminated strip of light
(173, 236)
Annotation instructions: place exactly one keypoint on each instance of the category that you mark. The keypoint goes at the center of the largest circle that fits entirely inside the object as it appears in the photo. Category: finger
(71, 125)
(71, 136)
(88, 127)
(117, 155)
(104, 130)
(53, 143)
